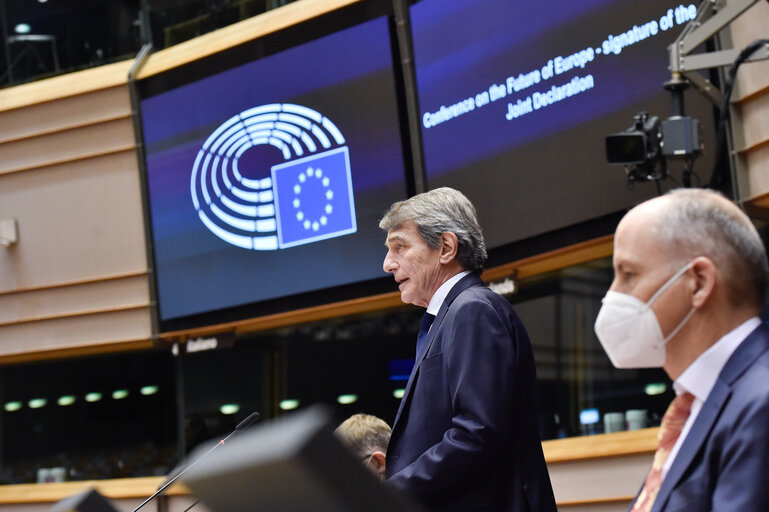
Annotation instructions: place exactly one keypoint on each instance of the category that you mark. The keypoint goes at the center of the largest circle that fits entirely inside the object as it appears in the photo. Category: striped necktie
(672, 423)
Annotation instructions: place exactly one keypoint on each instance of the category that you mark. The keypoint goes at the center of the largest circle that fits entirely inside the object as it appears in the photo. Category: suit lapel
(749, 350)
(466, 282)
(696, 437)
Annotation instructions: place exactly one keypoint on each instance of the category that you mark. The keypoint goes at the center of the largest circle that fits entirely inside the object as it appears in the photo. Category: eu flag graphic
(313, 198)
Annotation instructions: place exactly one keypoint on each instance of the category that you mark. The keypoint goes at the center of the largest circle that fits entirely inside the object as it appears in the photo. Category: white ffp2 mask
(629, 330)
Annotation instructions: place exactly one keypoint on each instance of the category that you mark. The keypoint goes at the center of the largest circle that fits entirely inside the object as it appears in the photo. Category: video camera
(644, 147)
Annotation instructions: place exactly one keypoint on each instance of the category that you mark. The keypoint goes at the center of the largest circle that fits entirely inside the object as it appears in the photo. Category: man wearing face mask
(690, 273)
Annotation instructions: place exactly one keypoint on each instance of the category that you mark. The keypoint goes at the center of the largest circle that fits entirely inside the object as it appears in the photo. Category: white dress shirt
(700, 377)
(436, 301)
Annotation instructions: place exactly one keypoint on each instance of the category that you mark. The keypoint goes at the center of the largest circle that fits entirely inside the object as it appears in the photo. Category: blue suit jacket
(723, 463)
(466, 436)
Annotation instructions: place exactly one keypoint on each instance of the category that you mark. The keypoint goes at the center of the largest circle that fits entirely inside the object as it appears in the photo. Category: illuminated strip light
(251, 210)
(204, 179)
(302, 111)
(242, 209)
(266, 226)
(309, 143)
(239, 136)
(290, 128)
(266, 210)
(321, 136)
(289, 404)
(194, 181)
(220, 144)
(251, 197)
(291, 118)
(240, 146)
(287, 137)
(259, 226)
(224, 126)
(243, 225)
(271, 117)
(269, 125)
(272, 107)
(263, 243)
(259, 133)
(251, 143)
(214, 181)
(226, 177)
(333, 130)
(253, 184)
(272, 141)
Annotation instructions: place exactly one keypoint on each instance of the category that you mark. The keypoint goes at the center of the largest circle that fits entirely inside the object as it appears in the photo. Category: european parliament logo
(305, 199)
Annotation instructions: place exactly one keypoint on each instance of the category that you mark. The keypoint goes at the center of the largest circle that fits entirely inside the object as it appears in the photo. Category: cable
(196, 502)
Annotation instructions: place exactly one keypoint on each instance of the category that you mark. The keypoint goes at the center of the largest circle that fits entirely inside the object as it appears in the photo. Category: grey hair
(699, 222)
(443, 210)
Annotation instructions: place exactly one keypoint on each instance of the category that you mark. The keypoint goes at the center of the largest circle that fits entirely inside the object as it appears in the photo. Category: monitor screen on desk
(294, 463)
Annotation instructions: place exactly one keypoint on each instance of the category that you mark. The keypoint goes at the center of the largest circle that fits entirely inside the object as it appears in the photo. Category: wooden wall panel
(77, 221)
(750, 26)
(76, 280)
(114, 292)
(85, 331)
(239, 33)
(751, 105)
(60, 114)
(596, 506)
(591, 480)
(758, 163)
(67, 145)
(84, 82)
(754, 117)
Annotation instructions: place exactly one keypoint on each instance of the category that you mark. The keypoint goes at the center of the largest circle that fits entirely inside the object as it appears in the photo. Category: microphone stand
(242, 425)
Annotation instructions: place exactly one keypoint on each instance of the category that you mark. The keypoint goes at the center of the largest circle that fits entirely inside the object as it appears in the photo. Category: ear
(706, 275)
(449, 247)
(377, 461)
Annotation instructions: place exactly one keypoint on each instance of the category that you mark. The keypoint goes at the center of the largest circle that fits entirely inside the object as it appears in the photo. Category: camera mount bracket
(712, 16)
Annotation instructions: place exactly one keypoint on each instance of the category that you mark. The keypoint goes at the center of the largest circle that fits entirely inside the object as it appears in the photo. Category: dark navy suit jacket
(723, 464)
(466, 436)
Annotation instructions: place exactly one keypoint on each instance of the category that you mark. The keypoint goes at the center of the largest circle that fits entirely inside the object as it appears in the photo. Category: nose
(389, 265)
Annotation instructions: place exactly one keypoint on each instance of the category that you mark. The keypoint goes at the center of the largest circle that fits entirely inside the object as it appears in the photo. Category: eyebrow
(393, 238)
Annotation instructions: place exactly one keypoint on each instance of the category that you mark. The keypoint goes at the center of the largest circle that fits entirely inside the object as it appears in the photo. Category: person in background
(367, 437)
(690, 274)
(465, 436)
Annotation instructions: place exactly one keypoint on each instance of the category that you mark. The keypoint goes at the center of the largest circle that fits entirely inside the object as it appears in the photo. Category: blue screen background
(346, 76)
(546, 169)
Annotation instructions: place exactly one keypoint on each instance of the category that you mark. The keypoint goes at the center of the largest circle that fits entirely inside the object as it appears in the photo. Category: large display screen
(516, 99)
(268, 179)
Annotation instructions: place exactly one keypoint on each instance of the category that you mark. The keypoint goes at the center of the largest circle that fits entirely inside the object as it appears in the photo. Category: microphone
(244, 424)
(251, 418)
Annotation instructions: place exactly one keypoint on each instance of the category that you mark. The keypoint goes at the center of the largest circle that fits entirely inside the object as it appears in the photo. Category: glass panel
(578, 386)
(45, 38)
(222, 387)
(90, 418)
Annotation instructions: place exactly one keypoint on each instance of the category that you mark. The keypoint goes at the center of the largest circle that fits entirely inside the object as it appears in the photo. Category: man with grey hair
(690, 273)
(465, 436)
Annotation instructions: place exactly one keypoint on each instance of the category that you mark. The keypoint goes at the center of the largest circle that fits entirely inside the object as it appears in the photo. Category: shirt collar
(700, 377)
(436, 301)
